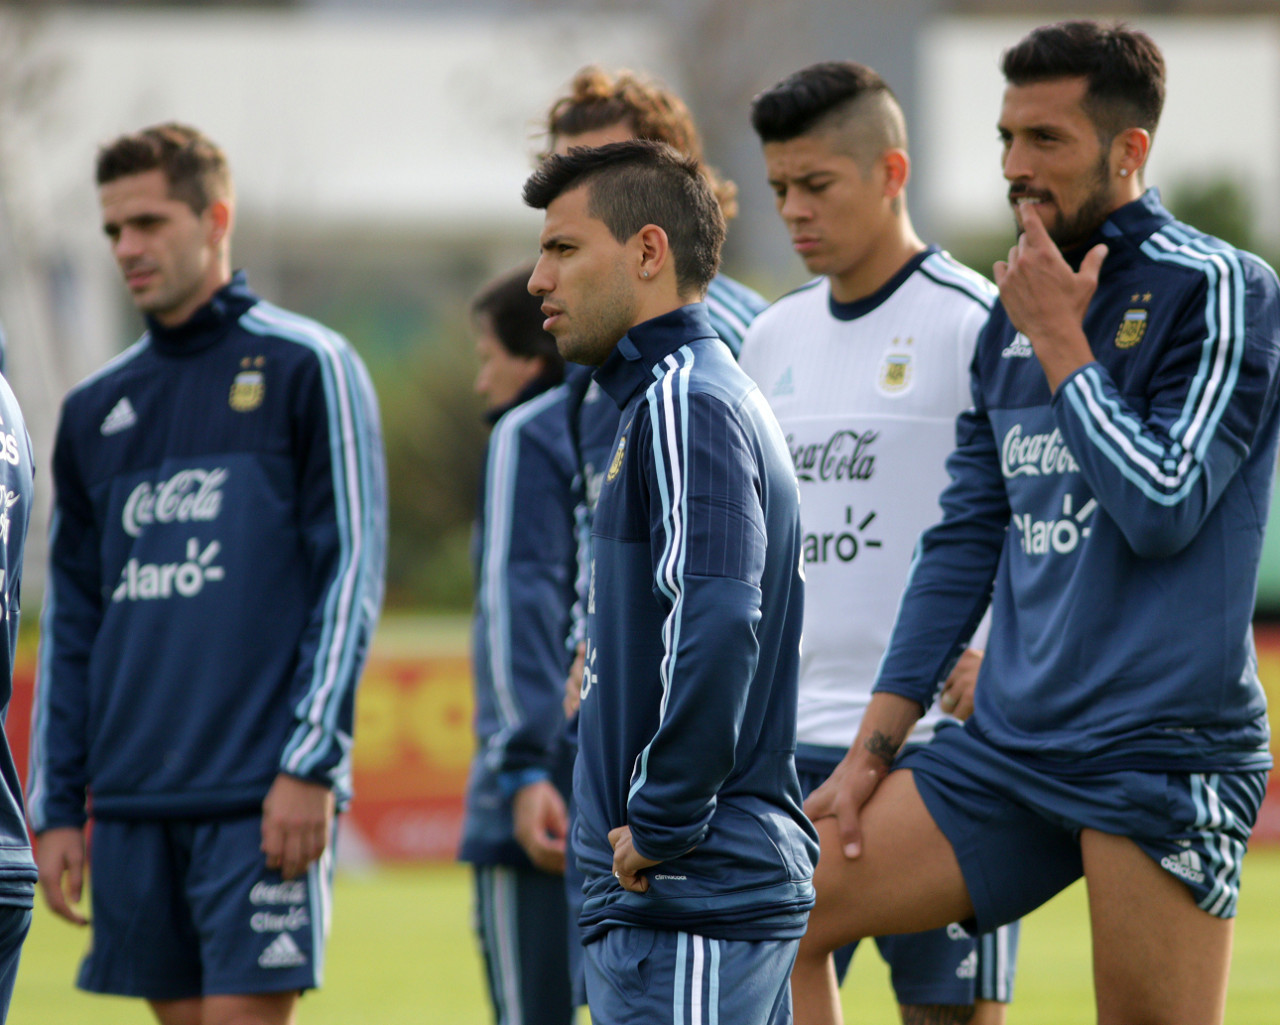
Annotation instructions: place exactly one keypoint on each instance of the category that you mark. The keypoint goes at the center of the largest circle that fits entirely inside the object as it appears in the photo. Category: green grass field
(402, 952)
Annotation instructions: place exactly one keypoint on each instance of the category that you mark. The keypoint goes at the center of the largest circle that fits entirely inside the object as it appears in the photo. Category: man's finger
(53, 896)
(850, 830)
(1091, 265)
(294, 861)
(1034, 231)
(819, 804)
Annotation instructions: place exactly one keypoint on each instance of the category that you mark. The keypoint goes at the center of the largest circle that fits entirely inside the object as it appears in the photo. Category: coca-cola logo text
(189, 495)
(845, 455)
(1036, 454)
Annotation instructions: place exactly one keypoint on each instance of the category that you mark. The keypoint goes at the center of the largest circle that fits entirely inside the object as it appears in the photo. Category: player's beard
(598, 320)
(1072, 230)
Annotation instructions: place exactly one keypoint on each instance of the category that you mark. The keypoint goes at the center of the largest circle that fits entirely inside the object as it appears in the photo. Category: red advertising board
(414, 743)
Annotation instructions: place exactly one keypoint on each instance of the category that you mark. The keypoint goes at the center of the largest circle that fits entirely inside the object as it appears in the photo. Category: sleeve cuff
(510, 783)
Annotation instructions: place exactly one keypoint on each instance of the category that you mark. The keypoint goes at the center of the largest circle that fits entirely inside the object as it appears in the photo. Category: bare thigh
(907, 878)
(1157, 958)
(255, 1009)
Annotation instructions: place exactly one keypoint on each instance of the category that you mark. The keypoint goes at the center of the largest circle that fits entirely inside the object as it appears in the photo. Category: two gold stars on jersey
(1133, 325)
(250, 385)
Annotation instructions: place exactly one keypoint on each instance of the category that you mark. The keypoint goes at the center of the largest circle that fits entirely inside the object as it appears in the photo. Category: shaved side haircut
(632, 184)
(846, 102)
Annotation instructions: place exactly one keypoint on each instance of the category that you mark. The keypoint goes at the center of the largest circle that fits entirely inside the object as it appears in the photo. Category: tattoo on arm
(882, 747)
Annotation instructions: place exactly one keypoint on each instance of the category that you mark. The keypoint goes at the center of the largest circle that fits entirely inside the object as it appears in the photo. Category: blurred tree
(1218, 205)
(435, 439)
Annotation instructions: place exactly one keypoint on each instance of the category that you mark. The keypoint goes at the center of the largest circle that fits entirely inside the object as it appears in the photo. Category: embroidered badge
(896, 369)
(616, 466)
(250, 385)
(1132, 328)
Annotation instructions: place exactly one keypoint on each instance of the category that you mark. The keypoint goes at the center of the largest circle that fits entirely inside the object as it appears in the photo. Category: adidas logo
(120, 418)
(968, 968)
(1019, 348)
(1186, 864)
(282, 953)
(785, 386)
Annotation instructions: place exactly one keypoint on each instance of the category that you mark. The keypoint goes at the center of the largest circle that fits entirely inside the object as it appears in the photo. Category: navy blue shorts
(1015, 828)
(939, 966)
(186, 908)
(15, 922)
(655, 977)
(522, 922)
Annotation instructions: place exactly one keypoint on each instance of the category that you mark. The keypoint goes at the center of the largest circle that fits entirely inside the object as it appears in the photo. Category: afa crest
(1132, 328)
(615, 467)
(896, 371)
(249, 387)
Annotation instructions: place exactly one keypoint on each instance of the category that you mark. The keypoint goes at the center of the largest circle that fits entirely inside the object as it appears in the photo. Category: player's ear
(1129, 151)
(220, 218)
(653, 251)
(897, 169)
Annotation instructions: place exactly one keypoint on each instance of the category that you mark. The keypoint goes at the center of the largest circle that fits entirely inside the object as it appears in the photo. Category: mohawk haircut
(842, 97)
(639, 182)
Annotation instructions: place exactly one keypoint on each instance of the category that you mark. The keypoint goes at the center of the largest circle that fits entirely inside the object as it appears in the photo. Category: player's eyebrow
(551, 242)
(138, 221)
(801, 179)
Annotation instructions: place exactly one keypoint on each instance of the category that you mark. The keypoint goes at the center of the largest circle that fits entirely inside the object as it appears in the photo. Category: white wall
(1221, 115)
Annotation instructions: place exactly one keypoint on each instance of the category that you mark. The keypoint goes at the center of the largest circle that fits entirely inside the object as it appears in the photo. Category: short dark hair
(823, 95)
(516, 318)
(195, 166)
(1122, 66)
(637, 183)
(601, 99)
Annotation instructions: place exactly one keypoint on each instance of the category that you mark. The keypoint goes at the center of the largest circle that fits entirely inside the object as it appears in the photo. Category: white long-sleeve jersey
(867, 394)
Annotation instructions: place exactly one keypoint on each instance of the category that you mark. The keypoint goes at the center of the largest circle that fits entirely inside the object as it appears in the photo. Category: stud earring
(1124, 172)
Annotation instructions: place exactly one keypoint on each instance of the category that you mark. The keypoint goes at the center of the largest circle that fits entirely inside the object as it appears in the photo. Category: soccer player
(524, 559)
(690, 834)
(216, 569)
(866, 369)
(603, 107)
(1111, 482)
(17, 869)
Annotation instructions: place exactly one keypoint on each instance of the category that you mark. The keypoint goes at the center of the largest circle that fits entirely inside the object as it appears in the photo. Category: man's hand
(628, 863)
(59, 857)
(1045, 299)
(885, 725)
(573, 685)
(957, 693)
(541, 824)
(297, 820)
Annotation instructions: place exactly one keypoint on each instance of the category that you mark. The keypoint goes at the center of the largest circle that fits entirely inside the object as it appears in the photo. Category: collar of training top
(629, 368)
(208, 324)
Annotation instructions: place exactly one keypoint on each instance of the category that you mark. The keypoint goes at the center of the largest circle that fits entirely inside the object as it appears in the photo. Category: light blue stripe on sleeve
(351, 409)
(670, 446)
